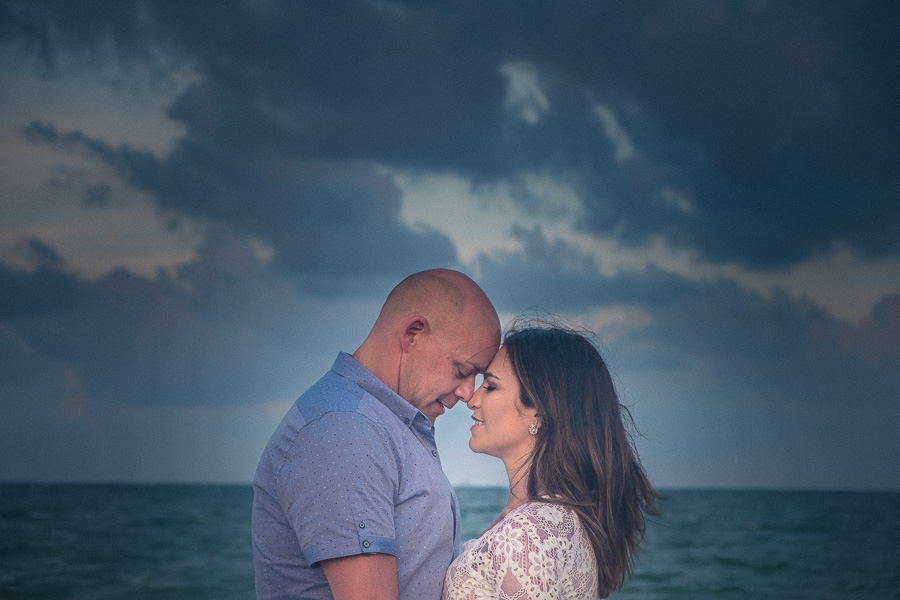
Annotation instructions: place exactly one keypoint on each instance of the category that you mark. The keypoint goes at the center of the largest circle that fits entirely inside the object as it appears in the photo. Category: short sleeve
(337, 488)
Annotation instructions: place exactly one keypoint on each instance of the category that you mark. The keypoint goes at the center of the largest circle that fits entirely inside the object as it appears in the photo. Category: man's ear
(411, 330)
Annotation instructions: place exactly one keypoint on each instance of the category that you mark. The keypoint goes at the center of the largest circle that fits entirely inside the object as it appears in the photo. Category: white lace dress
(539, 551)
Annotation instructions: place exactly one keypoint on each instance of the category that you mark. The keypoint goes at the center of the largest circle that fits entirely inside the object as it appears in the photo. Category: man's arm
(362, 577)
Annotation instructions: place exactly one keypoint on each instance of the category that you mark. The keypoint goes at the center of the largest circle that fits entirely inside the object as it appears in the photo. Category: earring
(532, 429)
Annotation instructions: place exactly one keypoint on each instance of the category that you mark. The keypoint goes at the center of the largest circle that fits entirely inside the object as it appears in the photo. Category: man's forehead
(480, 360)
(476, 366)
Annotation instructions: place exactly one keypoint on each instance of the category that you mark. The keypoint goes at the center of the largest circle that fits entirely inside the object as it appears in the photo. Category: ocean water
(138, 542)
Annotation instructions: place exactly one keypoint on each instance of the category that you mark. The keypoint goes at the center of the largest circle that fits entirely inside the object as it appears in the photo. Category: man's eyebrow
(476, 368)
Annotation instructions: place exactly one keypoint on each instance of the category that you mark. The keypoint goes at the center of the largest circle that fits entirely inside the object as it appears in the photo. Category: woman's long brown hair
(583, 457)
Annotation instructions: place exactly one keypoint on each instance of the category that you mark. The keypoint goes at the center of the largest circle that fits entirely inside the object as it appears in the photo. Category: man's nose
(472, 401)
(465, 391)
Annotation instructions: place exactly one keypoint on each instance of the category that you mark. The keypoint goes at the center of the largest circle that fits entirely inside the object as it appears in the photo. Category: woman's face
(501, 422)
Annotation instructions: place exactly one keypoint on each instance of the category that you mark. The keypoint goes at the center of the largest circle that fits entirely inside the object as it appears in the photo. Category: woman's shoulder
(544, 508)
(544, 518)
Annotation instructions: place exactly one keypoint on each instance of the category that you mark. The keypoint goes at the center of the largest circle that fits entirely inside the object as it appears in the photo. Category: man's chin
(437, 409)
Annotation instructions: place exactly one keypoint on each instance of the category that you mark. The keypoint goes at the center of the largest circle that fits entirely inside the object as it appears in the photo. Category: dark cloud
(28, 296)
(97, 195)
(45, 290)
(222, 331)
(225, 329)
(42, 255)
(875, 337)
(321, 218)
(749, 132)
(734, 371)
(712, 335)
(756, 133)
(762, 133)
(55, 26)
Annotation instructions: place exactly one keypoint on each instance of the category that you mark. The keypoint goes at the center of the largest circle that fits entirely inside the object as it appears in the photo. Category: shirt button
(362, 525)
(406, 421)
(434, 452)
(366, 543)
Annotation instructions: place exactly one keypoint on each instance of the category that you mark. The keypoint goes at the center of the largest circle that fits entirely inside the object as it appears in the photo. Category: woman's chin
(480, 449)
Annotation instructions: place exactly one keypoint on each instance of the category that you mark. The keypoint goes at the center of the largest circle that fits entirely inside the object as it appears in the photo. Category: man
(350, 500)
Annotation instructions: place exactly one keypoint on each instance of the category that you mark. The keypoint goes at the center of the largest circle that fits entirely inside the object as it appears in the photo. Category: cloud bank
(749, 137)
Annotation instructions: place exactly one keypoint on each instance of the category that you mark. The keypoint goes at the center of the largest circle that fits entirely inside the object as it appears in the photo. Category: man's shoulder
(334, 416)
(332, 392)
(344, 403)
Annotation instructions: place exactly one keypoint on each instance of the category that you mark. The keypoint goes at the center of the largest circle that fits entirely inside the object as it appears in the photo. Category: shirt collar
(347, 366)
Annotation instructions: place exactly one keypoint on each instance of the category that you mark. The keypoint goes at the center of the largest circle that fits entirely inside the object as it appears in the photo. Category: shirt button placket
(365, 543)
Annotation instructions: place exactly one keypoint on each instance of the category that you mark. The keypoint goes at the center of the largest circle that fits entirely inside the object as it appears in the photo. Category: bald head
(442, 295)
(433, 324)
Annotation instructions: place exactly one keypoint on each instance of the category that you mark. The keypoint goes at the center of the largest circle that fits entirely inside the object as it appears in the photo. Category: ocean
(136, 542)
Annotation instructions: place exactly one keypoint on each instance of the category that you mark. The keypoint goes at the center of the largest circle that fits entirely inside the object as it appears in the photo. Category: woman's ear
(412, 329)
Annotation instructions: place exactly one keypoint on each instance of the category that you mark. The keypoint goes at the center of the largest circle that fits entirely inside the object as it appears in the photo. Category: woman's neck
(518, 489)
(517, 473)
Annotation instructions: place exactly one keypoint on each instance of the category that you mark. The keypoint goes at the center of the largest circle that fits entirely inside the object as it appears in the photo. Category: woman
(578, 494)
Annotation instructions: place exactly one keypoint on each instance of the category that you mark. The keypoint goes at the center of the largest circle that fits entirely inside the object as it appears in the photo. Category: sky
(202, 203)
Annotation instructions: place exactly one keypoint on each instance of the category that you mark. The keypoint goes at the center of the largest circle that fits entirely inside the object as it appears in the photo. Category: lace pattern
(539, 551)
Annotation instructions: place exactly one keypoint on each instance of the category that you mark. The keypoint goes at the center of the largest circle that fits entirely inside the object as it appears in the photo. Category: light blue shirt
(352, 469)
